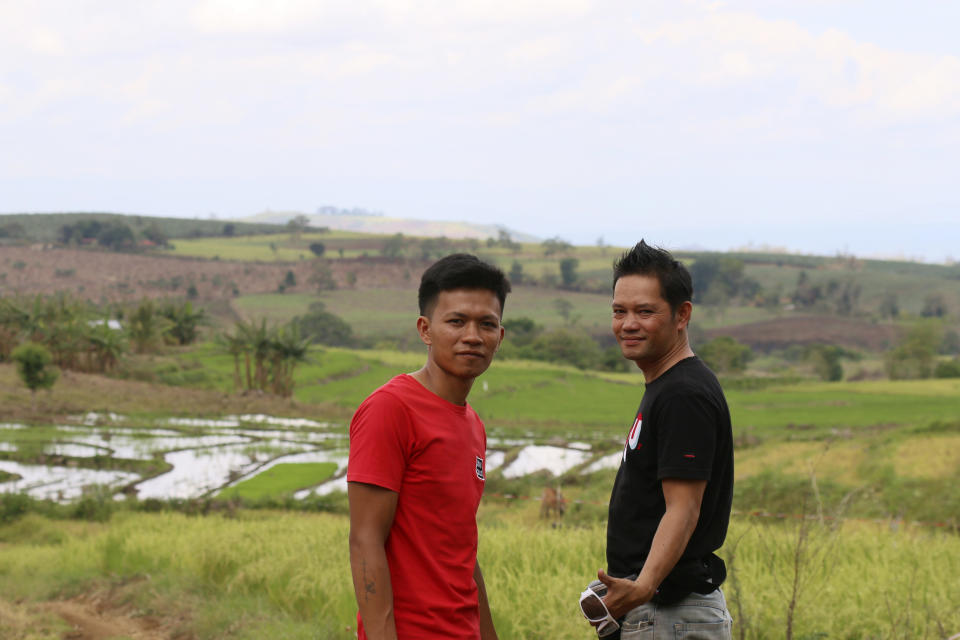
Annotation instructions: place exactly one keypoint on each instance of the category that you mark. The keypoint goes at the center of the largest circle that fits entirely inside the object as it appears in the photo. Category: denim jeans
(696, 617)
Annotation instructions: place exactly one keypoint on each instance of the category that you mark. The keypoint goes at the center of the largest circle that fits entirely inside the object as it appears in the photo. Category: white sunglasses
(595, 611)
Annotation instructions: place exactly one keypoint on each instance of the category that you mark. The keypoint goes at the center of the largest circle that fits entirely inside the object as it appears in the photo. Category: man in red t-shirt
(416, 469)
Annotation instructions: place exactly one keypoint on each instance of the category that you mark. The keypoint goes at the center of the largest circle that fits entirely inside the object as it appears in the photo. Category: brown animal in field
(552, 501)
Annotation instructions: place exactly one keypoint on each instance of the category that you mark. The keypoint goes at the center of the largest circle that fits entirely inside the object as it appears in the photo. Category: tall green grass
(290, 572)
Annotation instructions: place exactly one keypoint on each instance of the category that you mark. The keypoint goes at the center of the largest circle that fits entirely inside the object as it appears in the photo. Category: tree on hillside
(516, 273)
(13, 321)
(934, 306)
(34, 367)
(565, 308)
(725, 354)
(106, 346)
(565, 346)
(288, 348)
(154, 234)
(568, 272)
(323, 327)
(322, 277)
(116, 236)
(234, 344)
(318, 249)
(718, 278)
(393, 246)
(184, 322)
(297, 225)
(825, 359)
(521, 331)
(555, 245)
(145, 327)
(889, 306)
(915, 355)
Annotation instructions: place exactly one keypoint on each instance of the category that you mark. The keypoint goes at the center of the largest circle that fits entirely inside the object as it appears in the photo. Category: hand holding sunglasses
(595, 611)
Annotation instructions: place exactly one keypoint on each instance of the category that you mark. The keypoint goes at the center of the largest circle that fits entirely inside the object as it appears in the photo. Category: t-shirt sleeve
(686, 437)
(380, 437)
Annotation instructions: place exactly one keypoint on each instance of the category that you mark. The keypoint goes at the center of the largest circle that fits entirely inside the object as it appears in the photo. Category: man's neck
(655, 369)
(440, 383)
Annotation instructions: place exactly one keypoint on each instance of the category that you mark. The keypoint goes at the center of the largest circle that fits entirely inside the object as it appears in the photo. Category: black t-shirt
(682, 430)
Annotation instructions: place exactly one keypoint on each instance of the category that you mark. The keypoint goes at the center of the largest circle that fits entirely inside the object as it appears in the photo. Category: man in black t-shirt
(671, 500)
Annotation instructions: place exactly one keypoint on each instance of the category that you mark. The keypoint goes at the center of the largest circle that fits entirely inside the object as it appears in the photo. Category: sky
(815, 126)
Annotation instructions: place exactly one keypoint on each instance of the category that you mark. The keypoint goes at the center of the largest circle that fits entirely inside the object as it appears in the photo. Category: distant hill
(384, 225)
(45, 227)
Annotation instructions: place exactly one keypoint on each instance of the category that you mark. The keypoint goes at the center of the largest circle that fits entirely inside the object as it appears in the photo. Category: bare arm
(487, 632)
(683, 498)
(371, 514)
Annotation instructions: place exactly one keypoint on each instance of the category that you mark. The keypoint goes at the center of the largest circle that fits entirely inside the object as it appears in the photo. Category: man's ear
(423, 328)
(684, 312)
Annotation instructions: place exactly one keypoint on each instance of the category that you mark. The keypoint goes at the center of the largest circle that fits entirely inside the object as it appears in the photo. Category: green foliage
(718, 278)
(298, 586)
(95, 505)
(826, 361)
(566, 346)
(13, 506)
(34, 366)
(568, 272)
(934, 306)
(889, 307)
(915, 356)
(318, 248)
(948, 369)
(520, 331)
(183, 322)
(323, 327)
(393, 246)
(555, 245)
(270, 355)
(725, 354)
(146, 326)
(322, 277)
(516, 273)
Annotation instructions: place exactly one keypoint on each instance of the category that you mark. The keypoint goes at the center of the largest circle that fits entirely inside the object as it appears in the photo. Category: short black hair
(461, 271)
(676, 285)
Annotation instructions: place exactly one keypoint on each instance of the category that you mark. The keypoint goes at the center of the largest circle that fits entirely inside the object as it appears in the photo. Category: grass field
(281, 480)
(273, 574)
(390, 313)
(278, 246)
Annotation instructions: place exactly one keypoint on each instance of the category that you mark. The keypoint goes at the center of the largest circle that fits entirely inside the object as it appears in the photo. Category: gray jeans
(696, 617)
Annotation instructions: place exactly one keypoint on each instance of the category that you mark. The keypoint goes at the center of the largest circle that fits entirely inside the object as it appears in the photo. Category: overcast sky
(814, 125)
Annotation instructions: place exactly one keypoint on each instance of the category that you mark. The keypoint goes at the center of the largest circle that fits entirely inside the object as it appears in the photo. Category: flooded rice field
(195, 458)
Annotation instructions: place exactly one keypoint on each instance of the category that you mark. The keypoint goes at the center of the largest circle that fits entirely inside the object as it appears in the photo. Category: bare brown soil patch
(780, 333)
(101, 275)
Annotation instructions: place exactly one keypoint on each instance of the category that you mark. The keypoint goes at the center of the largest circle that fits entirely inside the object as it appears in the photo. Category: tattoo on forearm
(369, 585)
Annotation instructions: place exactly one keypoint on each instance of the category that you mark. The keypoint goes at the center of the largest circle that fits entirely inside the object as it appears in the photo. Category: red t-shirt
(432, 453)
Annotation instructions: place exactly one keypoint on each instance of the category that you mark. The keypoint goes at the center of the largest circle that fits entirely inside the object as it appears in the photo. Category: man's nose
(471, 334)
(631, 322)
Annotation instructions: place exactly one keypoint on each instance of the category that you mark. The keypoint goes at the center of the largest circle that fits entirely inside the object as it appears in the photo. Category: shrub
(948, 369)
(96, 505)
(33, 365)
(726, 355)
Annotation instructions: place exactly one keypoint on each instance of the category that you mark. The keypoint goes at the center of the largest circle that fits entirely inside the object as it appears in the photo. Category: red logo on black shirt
(635, 432)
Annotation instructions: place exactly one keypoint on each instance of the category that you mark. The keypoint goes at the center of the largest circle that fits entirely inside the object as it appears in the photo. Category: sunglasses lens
(593, 608)
(606, 628)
